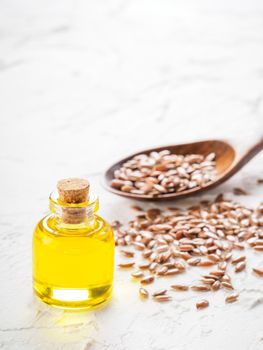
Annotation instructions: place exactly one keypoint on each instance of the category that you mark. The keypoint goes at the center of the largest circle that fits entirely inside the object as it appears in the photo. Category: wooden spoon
(229, 160)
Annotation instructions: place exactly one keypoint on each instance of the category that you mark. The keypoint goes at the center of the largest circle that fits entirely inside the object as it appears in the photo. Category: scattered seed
(153, 266)
(152, 214)
(258, 248)
(202, 304)
(193, 261)
(115, 224)
(240, 266)
(144, 266)
(143, 293)
(226, 278)
(127, 253)
(159, 292)
(162, 270)
(162, 298)
(180, 266)
(238, 246)
(170, 265)
(146, 253)
(217, 273)
(139, 245)
(186, 248)
(258, 271)
(222, 265)
(213, 257)
(136, 207)
(126, 265)
(162, 248)
(238, 260)
(184, 255)
(179, 287)
(239, 191)
(204, 234)
(216, 285)
(206, 263)
(147, 280)
(231, 298)
(137, 274)
(227, 256)
(200, 288)
(172, 272)
(227, 285)
(208, 280)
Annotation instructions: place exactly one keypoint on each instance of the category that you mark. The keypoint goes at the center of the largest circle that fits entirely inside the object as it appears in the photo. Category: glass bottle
(73, 250)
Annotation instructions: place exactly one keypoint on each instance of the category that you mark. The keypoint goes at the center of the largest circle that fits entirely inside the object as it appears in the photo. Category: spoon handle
(247, 155)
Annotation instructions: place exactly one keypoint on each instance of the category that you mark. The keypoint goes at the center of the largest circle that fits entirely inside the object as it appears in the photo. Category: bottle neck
(74, 216)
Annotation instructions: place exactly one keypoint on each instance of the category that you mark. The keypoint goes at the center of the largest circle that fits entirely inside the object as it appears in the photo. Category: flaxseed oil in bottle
(73, 250)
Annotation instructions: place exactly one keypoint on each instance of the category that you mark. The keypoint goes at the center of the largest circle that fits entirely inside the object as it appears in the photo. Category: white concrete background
(83, 83)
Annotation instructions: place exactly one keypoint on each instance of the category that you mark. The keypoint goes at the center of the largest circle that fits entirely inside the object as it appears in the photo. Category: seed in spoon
(162, 172)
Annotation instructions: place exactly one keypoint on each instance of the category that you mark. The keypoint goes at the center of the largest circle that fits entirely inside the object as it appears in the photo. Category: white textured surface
(83, 83)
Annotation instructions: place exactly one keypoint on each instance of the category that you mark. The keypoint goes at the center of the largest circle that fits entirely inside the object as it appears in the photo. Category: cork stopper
(73, 191)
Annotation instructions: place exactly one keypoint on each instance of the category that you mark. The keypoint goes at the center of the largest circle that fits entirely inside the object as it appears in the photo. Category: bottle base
(73, 298)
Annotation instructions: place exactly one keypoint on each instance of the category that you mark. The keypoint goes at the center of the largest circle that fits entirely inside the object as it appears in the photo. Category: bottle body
(73, 265)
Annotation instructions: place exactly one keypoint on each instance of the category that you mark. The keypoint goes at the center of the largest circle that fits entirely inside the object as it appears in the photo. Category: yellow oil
(73, 264)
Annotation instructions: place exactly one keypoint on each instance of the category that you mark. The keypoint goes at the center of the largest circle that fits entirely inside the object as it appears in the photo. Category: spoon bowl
(229, 160)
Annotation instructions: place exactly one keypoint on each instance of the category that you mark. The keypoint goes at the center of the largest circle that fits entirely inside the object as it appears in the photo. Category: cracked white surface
(83, 83)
